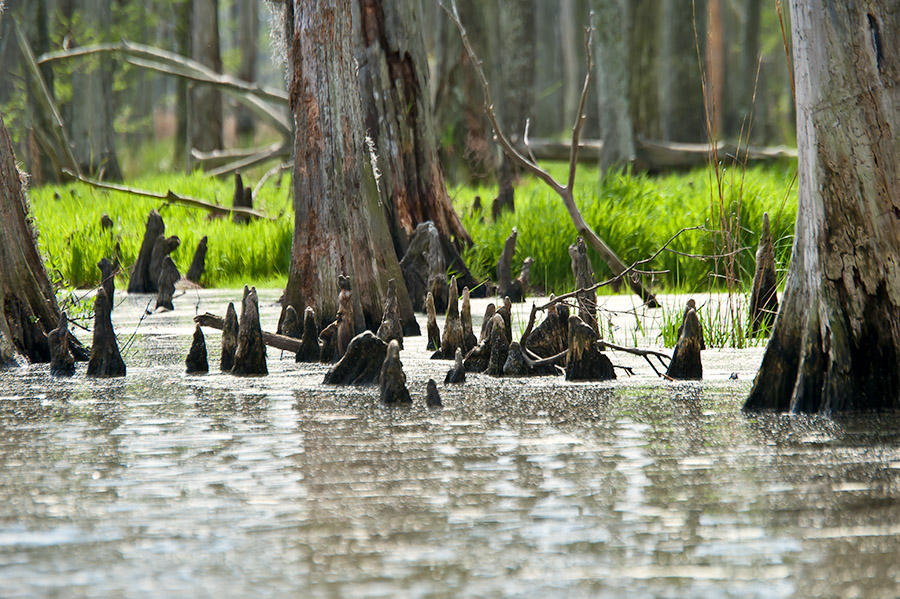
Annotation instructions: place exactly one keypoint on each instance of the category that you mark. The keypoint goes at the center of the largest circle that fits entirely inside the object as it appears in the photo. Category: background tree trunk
(28, 309)
(248, 42)
(611, 63)
(645, 19)
(339, 224)
(183, 10)
(393, 78)
(91, 118)
(836, 343)
(682, 111)
(206, 112)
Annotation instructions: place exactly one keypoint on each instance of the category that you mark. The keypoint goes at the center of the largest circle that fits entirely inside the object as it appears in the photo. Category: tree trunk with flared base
(339, 222)
(836, 343)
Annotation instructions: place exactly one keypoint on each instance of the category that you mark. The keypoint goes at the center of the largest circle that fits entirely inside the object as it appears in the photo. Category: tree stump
(229, 339)
(165, 285)
(243, 198)
(140, 281)
(764, 296)
(105, 360)
(504, 268)
(584, 278)
(250, 355)
(551, 336)
(432, 396)
(685, 364)
(309, 342)
(61, 361)
(457, 374)
(161, 250)
(434, 333)
(690, 305)
(361, 363)
(290, 324)
(499, 346)
(465, 313)
(391, 328)
(108, 272)
(198, 263)
(453, 336)
(196, 361)
(392, 379)
(423, 259)
(489, 312)
(585, 361)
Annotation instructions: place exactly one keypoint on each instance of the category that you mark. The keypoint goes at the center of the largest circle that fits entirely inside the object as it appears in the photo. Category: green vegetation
(635, 215)
(72, 240)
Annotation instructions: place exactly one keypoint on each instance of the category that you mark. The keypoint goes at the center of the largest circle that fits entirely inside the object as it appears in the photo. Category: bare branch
(580, 117)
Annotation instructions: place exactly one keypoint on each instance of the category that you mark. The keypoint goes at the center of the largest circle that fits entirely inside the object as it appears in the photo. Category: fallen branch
(271, 339)
(171, 197)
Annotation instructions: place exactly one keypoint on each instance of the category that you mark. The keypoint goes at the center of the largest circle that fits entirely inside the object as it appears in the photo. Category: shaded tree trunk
(28, 309)
(715, 68)
(393, 78)
(645, 18)
(206, 112)
(682, 117)
(339, 224)
(183, 10)
(248, 41)
(612, 84)
(836, 343)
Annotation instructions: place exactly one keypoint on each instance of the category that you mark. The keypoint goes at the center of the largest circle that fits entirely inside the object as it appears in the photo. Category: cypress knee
(499, 346)
(61, 361)
(108, 272)
(585, 361)
(432, 396)
(161, 250)
(457, 374)
(361, 363)
(391, 327)
(140, 281)
(229, 339)
(434, 333)
(196, 361)
(392, 379)
(465, 313)
(685, 364)
(250, 355)
(309, 343)
(764, 296)
(198, 263)
(105, 361)
(290, 324)
(165, 284)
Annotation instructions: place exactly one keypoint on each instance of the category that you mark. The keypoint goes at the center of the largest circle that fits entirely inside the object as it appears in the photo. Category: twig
(269, 173)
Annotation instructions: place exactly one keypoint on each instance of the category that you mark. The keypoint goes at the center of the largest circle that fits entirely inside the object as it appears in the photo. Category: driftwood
(229, 328)
(105, 361)
(108, 272)
(140, 281)
(198, 263)
(361, 363)
(432, 396)
(764, 296)
(196, 361)
(290, 324)
(392, 379)
(243, 198)
(309, 344)
(165, 284)
(465, 315)
(61, 361)
(453, 336)
(457, 374)
(584, 279)
(686, 364)
(390, 327)
(250, 355)
(585, 360)
(434, 333)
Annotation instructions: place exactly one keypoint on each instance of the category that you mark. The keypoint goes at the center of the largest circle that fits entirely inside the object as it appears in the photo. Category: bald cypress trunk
(836, 343)
(339, 225)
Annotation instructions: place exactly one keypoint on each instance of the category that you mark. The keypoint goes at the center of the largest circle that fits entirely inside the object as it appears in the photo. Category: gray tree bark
(612, 84)
(836, 343)
(339, 224)
(206, 112)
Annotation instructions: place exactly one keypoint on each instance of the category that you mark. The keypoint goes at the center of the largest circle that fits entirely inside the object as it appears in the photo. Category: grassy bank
(635, 215)
(72, 241)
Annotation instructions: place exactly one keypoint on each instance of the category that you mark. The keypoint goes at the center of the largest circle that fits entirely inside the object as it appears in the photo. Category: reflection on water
(168, 485)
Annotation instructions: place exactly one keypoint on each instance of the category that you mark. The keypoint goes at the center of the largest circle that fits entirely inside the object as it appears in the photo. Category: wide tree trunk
(393, 78)
(611, 63)
(339, 223)
(28, 309)
(91, 118)
(206, 113)
(836, 343)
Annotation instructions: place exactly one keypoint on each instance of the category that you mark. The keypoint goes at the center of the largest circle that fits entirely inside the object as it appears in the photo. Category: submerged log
(250, 355)
(243, 198)
(504, 268)
(764, 296)
(309, 344)
(198, 263)
(584, 279)
(432, 396)
(585, 361)
(229, 339)
(423, 260)
(685, 364)
(290, 324)
(392, 379)
(105, 361)
(140, 281)
(361, 363)
(434, 333)
(61, 361)
(196, 361)
(457, 374)
(499, 346)
(108, 272)
(161, 250)
(165, 284)
(465, 315)
(489, 312)
(453, 336)
(391, 328)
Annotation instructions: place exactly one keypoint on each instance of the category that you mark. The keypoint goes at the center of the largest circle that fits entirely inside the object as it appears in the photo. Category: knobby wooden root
(432, 396)
(229, 330)
(390, 327)
(362, 362)
(165, 284)
(61, 361)
(584, 279)
(250, 355)
(290, 323)
(198, 263)
(105, 360)
(392, 379)
(453, 336)
(585, 361)
(108, 271)
(140, 281)
(465, 314)
(457, 374)
(196, 361)
(685, 364)
(434, 333)
(309, 344)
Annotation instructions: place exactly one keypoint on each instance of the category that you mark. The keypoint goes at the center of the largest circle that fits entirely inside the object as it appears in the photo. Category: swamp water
(165, 485)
